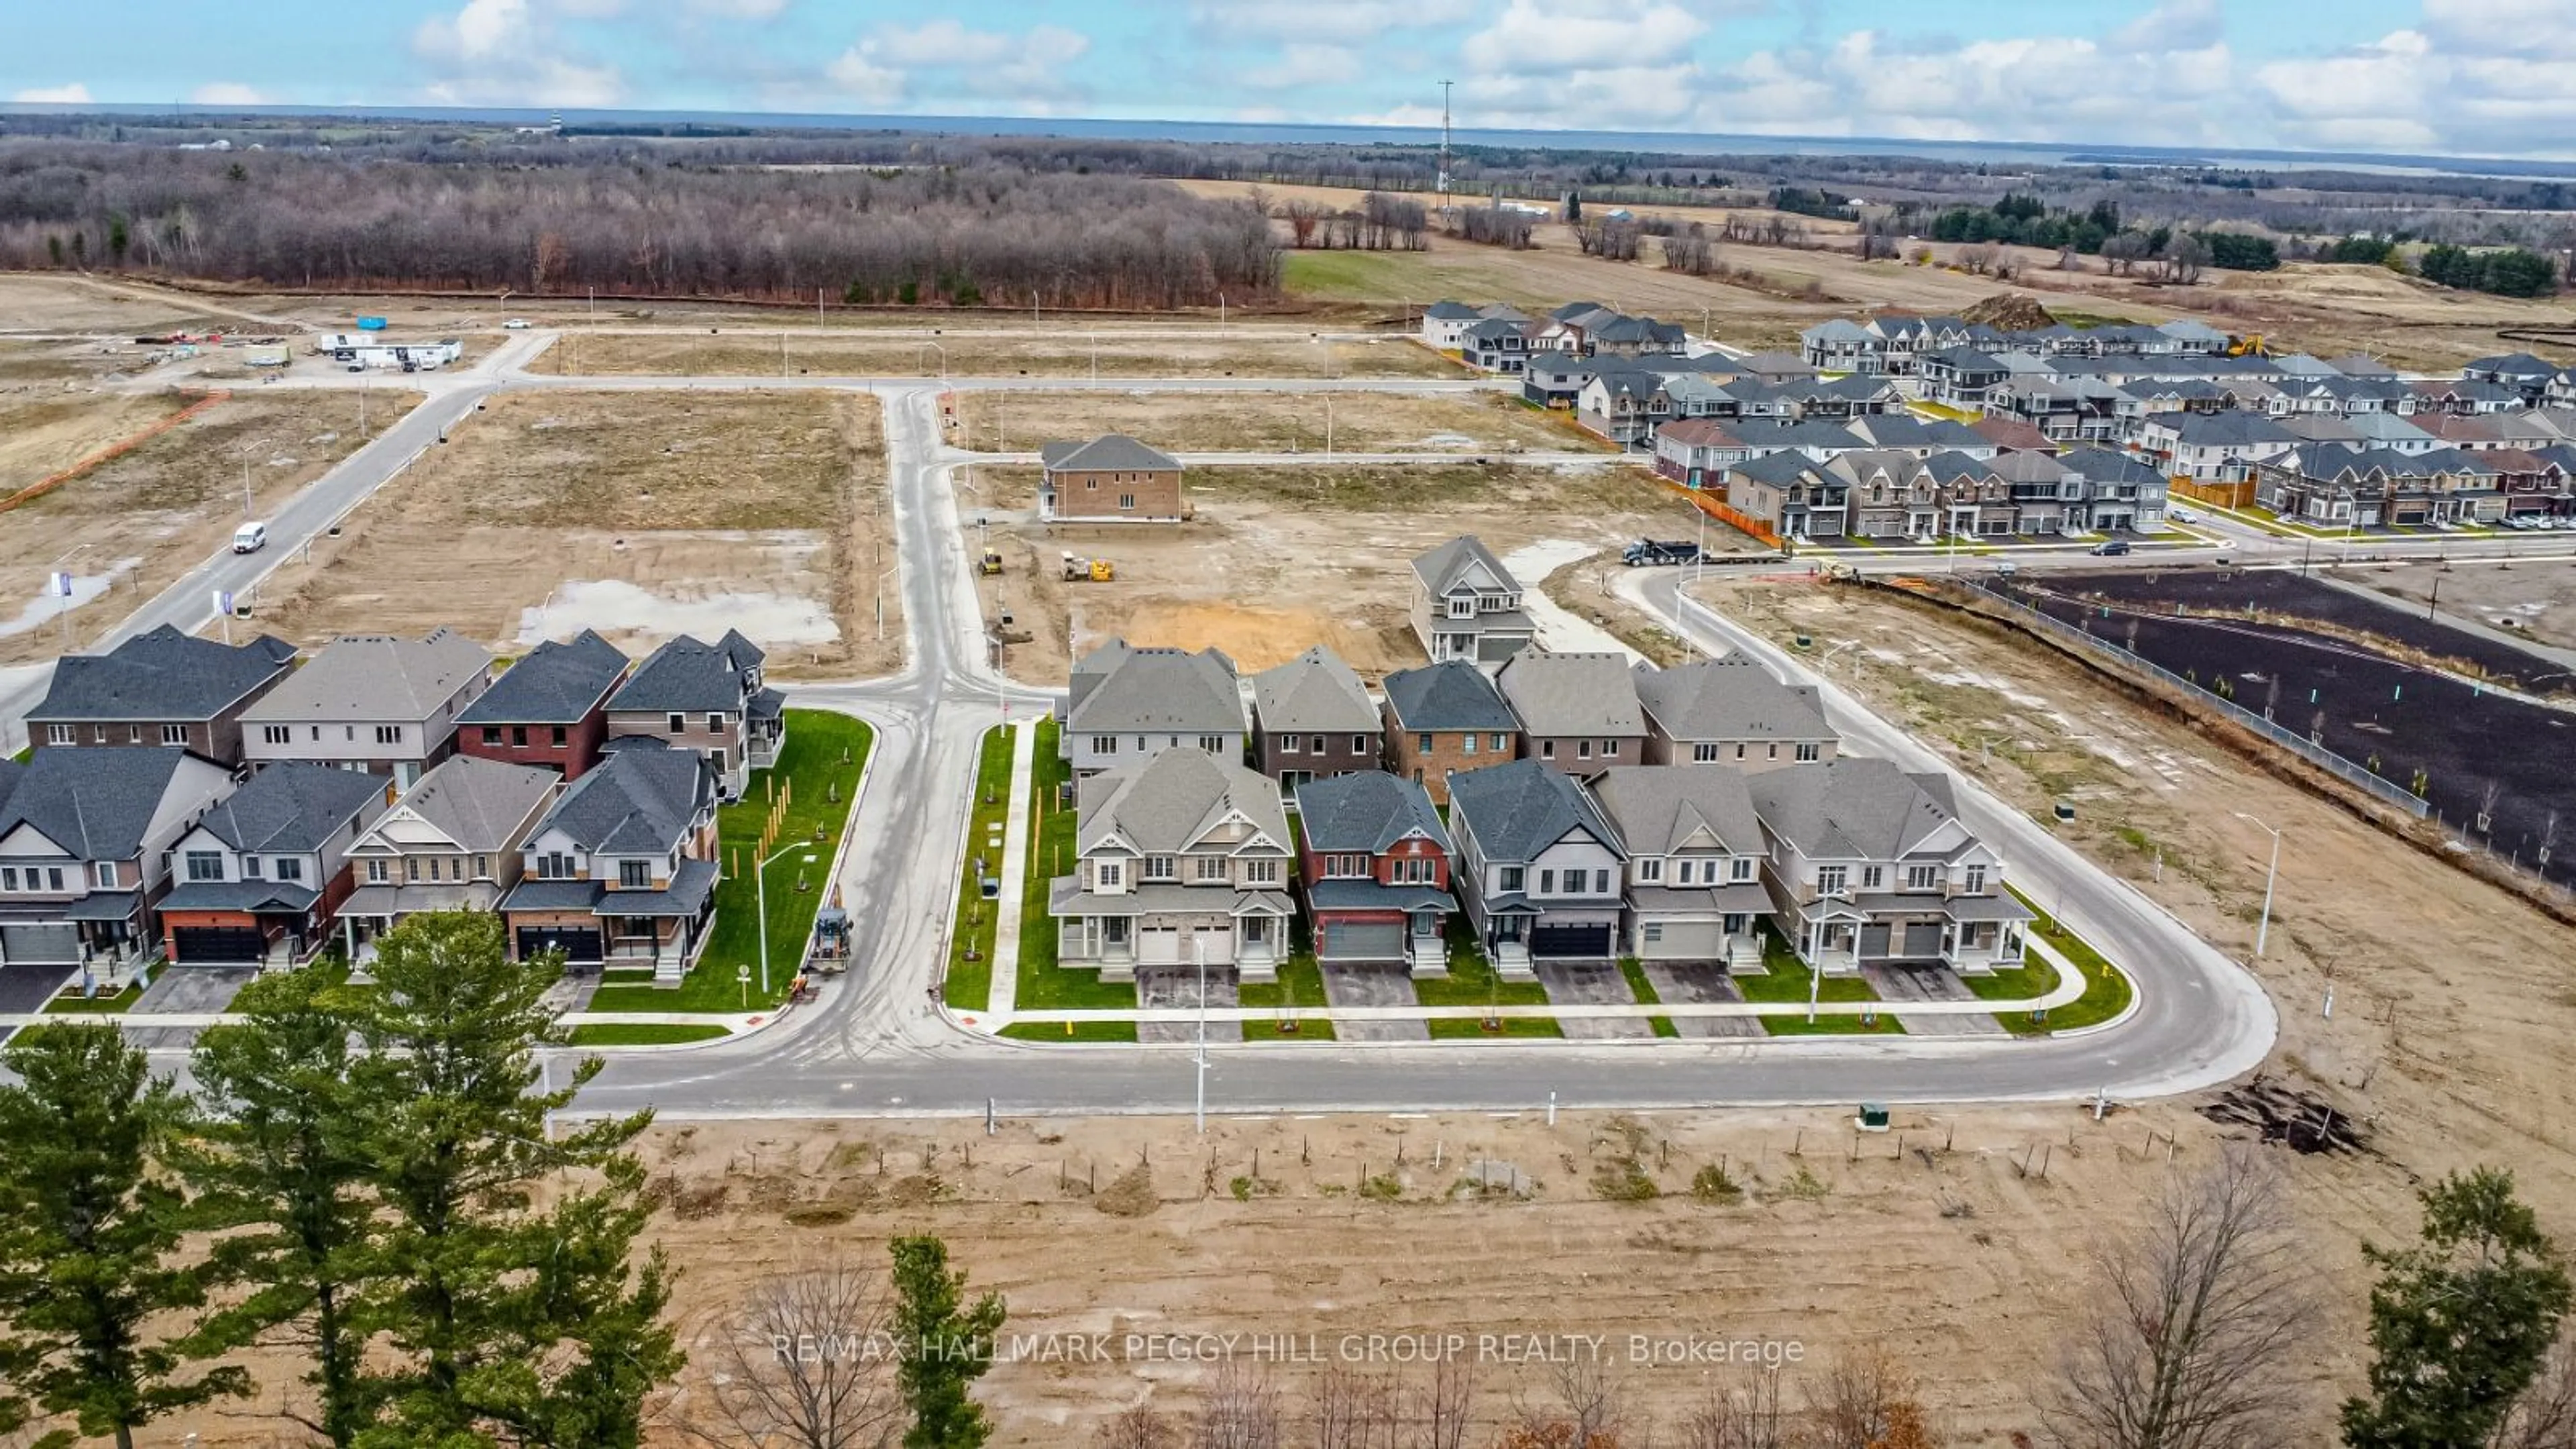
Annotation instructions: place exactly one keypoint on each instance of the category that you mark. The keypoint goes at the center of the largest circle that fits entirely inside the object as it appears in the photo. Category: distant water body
(2022, 153)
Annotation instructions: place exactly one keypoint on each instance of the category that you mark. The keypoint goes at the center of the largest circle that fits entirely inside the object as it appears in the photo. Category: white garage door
(1158, 945)
(1218, 944)
(1683, 941)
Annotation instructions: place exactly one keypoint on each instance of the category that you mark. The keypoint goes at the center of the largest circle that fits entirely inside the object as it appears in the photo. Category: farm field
(135, 523)
(640, 516)
(987, 354)
(1270, 422)
(2362, 681)
(1279, 558)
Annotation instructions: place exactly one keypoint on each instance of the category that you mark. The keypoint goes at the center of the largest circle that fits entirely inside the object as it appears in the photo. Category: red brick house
(259, 879)
(549, 709)
(1374, 868)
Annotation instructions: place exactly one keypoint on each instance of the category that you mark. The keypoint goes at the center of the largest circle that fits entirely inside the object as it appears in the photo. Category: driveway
(26, 989)
(1929, 983)
(1176, 988)
(1372, 984)
(1680, 982)
(183, 991)
(1592, 984)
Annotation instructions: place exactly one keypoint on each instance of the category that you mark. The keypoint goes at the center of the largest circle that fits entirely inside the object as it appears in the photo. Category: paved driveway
(1682, 982)
(1929, 983)
(1372, 984)
(25, 989)
(1171, 988)
(1592, 984)
(183, 991)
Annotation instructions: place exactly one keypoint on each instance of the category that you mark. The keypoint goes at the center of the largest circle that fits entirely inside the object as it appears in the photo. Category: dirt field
(988, 354)
(638, 515)
(1279, 558)
(1269, 422)
(2534, 599)
(142, 519)
(59, 303)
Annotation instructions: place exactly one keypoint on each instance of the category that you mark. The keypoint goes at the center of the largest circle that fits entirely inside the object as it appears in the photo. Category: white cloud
(1534, 36)
(510, 53)
(226, 93)
(1302, 64)
(739, 9)
(2488, 79)
(1325, 20)
(74, 94)
(866, 81)
(942, 62)
(2172, 25)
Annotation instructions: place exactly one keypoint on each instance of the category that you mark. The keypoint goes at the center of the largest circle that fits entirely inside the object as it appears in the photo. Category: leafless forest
(987, 233)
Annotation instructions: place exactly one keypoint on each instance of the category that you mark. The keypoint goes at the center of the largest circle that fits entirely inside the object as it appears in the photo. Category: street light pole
(760, 887)
(2263, 928)
(1198, 948)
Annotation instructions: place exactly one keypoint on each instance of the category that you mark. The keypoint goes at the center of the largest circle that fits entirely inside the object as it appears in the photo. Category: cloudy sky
(2446, 76)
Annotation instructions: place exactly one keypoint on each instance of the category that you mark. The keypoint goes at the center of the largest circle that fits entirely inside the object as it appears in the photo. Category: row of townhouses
(211, 804)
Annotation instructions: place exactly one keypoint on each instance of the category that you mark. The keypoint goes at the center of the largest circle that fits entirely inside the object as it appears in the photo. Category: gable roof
(1450, 695)
(1368, 810)
(637, 802)
(687, 675)
(1701, 433)
(1658, 808)
(1165, 804)
(1729, 698)
(2101, 465)
(1441, 567)
(1448, 311)
(295, 806)
(1110, 452)
(2225, 430)
(162, 674)
(373, 677)
(1517, 810)
(556, 683)
(2512, 364)
(1854, 807)
(95, 803)
(2013, 435)
(1903, 430)
(1121, 687)
(1780, 469)
(478, 802)
(1571, 694)
(1315, 691)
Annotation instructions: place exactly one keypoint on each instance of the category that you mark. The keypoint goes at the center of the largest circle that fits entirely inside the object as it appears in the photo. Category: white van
(250, 538)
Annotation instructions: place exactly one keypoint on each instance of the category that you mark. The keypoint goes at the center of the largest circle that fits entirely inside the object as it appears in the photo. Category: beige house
(1183, 859)
(450, 843)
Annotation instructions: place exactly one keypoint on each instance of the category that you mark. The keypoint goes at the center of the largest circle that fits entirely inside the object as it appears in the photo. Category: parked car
(2111, 547)
(516, 324)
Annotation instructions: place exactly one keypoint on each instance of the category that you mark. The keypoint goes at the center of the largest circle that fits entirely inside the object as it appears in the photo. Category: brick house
(160, 688)
(1312, 719)
(550, 708)
(1445, 719)
(1111, 479)
(708, 698)
(259, 879)
(1374, 867)
(1578, 711)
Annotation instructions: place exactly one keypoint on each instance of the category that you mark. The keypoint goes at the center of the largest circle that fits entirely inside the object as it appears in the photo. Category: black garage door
(576, 942)
(218, 945)
(1590, 942)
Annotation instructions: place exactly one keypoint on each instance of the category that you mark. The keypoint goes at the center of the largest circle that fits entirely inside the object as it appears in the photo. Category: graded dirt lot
(60, 303)
(2534, 599)
(1282, 557)
(1271, 422)
(141, 519)
(638, 515)
(749, 353)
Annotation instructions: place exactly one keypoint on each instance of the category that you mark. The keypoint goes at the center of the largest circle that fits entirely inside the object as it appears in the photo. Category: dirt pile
(2009, 312)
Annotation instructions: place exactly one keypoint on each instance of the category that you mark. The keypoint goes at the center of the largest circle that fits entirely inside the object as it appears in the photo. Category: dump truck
(1088, 570)
(1660, 551)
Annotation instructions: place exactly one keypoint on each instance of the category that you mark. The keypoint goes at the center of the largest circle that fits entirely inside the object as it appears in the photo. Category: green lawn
(72, 1003)
(1472, 981)
(970, 982)
(1300, 984)
(1044, 985)
(809, 769)
(1471, 1028)
(1354, 276)
(1836, 1025)
(1644, 991)
(1787, 978)
(2106, 990)
(624, 1034)
(1071, 1031)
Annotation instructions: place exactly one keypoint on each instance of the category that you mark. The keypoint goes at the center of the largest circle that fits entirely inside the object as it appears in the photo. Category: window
(1601, 882)
(1583, 749)
(1291, 744)
(1211, 867)
(1316, 745)
(250, 867)
(1653, 932)
(1513, 876)
(1922, 877)
(53, 878)
(1127, 501)
(1743, 868)
(1547, 883)
(1651, 868)
(715, 724)
(1108, 875)
(718, 758)
(1421, 872)
(1809, 752)
(679, 724)
(376, 872)
(103, 874)
(1215, 744)
(634, 875)
(174, 734)
(1462, 608)
(1467, 742)
(482, 867)
(1359, 744)
(389, 734)
(411, 867)
(1104, 744)
(134, 734)
(61, 734)
(1159, 867)
(9, 878)
(1422, 744)
(1703, 753)
(1739, 749)
(1872, 877)
(205, 865)
(560, 737)
(1682, 872)
(491, 734)
(1609, 749)
(1342, 867)
(1775, 749)
(1975, 880)
(1547, 749)
(290, 868)
(1261, 872)
(1500, 743)
(1830, 880)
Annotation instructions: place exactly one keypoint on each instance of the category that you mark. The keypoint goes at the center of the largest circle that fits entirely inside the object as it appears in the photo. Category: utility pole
(1440, 181)
(1199, 948)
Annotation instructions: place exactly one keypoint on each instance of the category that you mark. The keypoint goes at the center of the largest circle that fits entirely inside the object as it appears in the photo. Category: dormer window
(1462, 608)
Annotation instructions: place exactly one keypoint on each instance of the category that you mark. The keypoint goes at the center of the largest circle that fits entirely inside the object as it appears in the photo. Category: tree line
(983, 234)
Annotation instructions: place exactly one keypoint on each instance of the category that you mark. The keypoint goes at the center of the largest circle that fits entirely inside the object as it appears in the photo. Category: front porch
(1169, 926)
(1970, 934)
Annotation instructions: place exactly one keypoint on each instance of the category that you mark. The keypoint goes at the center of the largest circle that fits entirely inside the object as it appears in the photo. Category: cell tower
(1441, 184)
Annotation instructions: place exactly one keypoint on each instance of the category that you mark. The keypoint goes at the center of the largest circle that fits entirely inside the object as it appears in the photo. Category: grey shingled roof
(1367, 811)
(637, 802)
(2101, 465)
(1121, 687)
(1517, 810)
(97, 802)
(295, 806)
(556, 684)
(1852, 808)
(1440, 567)
(163, 674)
(1732, 698)
(1314, 692)
(2228, 430)
(1108, 453)
(1657, 808)
(373, 677)
(1165, 804)
(478, 802)
(1447, 311)
(688, 676)
(1571, 694)
(1450, 695)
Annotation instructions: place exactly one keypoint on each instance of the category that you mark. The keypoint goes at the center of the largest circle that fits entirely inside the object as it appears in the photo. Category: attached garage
(217, 945)
(1873, 942)
(1215, 946)
(578, 943)
(1561, 941)
(48, 945)
(1922, 940)
(1359, 941)
(1158, 945)
(1682, 940)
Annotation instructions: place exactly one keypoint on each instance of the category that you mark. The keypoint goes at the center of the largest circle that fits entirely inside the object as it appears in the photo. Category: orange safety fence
(117, 449)
(1734, 518)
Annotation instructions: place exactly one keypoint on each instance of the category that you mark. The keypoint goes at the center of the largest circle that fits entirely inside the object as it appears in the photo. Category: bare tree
(2544, 1417)
(1582, 1406)
(1850, 1408)
(1239, 1410)
(808, 1365)
(1980, 258)
(2198, 1318)
(2183, 257)
(2122, 253)
(1748, 1415)
(1878, 241)
(1449, 1404)
(1142, 1427)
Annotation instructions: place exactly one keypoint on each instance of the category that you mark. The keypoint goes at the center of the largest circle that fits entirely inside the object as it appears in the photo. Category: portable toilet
(1873, 1117)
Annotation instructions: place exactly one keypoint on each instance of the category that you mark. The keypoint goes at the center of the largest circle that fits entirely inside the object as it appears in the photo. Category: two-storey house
(85, 839)
(1444, 719)
(1694, 863)
(1126, 703)
(1466, 605)
(161, 687)
(621, 873)
(1182, 860)
(1730, 711)
(1578, 712)
(708, 698)
(450, 843)
(1312, 719)
(1374, 866)
(1110, 479)
(259, 879)
(550, 708)
(1868, 864)
(370, 702)
(1538, 868)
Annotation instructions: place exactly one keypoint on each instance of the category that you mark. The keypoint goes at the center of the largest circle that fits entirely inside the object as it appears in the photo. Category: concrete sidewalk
(1015, 873)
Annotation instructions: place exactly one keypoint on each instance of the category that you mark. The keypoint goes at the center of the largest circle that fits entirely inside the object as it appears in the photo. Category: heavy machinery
(990, 563)
(1088, 570)
(1660, 551)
